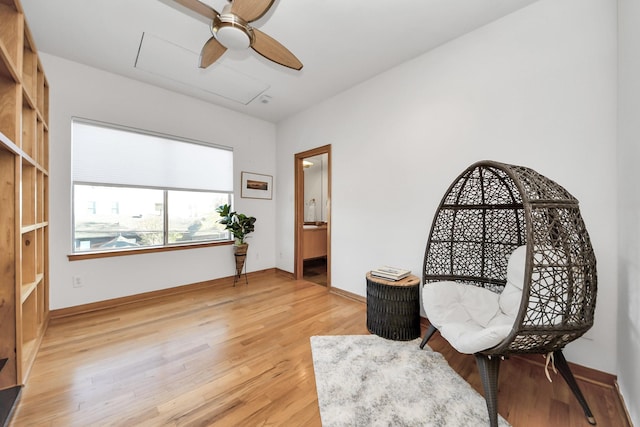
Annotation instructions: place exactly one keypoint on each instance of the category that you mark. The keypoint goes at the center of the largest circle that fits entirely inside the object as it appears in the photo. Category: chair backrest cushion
(511, 296)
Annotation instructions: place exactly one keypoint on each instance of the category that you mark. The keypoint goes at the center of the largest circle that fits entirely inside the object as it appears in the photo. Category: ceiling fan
(231, 30)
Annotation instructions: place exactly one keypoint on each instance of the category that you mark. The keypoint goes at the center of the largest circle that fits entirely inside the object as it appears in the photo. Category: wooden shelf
(11, 37)
(28, 194)
(41, 156)
(24, 197)
(44, 160)
(8, 266)
(28, 314)
(28, 288)
(28, 266)
(29, 71)
(43, 95)
(33, 227)
(41, 246)
(39, 197)
(29, 130)
(10, 104)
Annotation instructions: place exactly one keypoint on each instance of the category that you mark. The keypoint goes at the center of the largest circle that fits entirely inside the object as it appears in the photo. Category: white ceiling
(341, 43)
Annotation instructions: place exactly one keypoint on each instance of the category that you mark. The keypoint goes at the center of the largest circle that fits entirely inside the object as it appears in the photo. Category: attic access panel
(179, 65)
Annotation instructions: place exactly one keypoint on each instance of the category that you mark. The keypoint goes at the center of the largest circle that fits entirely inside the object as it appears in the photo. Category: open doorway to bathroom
(313, 215)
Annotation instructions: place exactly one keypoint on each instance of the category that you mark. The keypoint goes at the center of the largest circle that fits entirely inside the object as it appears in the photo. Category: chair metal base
(565, 371)
(489, 368)
(432, 329)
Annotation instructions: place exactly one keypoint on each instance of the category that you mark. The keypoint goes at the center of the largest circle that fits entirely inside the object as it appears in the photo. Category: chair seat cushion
(467, 316)
(472, 318)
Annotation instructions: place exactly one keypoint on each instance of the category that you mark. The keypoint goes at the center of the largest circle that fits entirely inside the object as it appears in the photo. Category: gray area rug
(365, 380)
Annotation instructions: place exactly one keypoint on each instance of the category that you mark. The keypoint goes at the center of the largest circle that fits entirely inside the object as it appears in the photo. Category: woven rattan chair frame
(488, 211)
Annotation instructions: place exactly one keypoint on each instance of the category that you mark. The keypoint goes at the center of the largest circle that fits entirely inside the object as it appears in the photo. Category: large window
(134, 189)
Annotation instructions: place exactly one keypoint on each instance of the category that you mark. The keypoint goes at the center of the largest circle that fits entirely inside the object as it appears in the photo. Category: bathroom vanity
(314, 241)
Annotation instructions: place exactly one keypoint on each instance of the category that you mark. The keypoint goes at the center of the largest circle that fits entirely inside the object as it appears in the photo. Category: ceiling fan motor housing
(232, 31)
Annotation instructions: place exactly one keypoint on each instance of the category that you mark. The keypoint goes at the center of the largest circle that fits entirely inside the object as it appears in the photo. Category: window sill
(125, 252)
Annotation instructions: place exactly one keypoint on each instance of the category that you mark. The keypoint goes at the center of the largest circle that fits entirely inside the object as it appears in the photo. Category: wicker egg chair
(490, 210)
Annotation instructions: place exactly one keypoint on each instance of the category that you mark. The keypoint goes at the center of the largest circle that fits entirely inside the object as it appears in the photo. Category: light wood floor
(238, 357)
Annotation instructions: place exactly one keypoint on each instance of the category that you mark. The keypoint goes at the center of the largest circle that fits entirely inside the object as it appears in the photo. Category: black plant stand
(241, 259)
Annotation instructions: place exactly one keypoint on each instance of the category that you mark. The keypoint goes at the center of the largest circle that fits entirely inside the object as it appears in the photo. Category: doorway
(313, 215)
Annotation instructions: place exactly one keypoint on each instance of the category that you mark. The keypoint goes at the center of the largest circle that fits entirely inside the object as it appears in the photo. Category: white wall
(78, 90)
(536, 88)
(628, 312)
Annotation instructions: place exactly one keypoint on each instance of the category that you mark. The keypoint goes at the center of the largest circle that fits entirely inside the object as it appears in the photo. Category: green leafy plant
(238, 224)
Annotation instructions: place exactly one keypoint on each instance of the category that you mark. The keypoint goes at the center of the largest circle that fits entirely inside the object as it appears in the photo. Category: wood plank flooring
(237, 356)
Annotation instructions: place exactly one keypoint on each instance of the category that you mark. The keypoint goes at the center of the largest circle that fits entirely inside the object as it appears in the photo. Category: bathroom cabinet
(314, 241)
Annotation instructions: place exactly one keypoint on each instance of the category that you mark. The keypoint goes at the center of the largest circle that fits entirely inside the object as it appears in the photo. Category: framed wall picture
(256, 186)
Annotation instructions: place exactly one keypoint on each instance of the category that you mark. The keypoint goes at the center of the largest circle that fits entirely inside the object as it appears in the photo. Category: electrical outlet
(77, 282)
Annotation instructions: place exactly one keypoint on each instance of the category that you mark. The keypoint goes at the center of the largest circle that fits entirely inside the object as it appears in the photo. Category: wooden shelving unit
(24, 213)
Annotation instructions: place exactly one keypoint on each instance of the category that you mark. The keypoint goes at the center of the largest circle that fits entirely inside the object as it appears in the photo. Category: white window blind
(120, 156)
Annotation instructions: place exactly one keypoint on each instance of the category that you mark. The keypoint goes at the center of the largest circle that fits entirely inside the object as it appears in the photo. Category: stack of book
(390, 273)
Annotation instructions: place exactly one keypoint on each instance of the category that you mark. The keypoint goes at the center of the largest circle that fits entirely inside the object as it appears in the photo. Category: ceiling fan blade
(274, 51)
(211, 51)
(250, 10)
(199, 7)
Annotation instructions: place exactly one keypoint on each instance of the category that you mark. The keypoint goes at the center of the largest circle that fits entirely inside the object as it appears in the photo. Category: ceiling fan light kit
(231, 29)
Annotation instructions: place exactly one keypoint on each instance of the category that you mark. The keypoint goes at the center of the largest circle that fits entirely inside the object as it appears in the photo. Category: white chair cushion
(509, 300)
(471, 318)
(512, 293)
(467, 316)
(446, 302)
(516, 265)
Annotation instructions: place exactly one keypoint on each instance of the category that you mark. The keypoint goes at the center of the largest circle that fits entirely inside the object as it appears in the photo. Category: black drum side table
(393, 307)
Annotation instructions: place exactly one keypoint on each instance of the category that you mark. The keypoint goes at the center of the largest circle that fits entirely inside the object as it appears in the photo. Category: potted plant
(239, 225)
